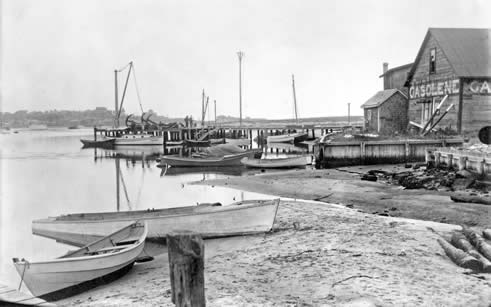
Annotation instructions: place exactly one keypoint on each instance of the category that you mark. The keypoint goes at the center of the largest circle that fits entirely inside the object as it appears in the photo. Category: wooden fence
(478, 162)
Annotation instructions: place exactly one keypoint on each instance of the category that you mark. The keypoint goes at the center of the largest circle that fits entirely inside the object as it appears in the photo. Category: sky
(61, 54)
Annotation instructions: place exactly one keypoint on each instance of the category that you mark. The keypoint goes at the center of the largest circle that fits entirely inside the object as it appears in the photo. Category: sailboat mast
(203, 108)
(294, 99)
(116, 99)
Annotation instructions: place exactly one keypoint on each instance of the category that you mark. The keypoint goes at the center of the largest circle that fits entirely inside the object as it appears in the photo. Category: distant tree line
(100, 116)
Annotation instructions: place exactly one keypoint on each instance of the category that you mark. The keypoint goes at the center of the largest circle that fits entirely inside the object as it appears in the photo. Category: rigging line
(137, 90)
(124, 189)
(126, 66)
(125, 87)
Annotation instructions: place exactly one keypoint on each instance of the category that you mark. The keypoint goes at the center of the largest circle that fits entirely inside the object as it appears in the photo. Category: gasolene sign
(427, 89)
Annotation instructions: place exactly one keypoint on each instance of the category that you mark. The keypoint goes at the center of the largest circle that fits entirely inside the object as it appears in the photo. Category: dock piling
(186, 263)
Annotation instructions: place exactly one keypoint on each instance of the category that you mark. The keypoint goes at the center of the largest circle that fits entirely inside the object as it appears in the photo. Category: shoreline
(343, 186)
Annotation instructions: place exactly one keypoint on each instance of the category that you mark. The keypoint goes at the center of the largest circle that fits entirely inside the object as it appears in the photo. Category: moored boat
(206, 161)
(288, 138)
(277, 163)
(197, 143)
(240, 218)
(98, 262)
(104, 143)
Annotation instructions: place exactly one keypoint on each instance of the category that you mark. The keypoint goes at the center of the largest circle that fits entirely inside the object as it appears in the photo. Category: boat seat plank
(128, 240)
(109, 248)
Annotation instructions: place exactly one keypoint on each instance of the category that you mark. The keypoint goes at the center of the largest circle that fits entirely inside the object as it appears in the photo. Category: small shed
(386, 111)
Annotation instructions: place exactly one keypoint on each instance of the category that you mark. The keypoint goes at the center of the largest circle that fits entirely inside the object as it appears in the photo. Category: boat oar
(438, 120)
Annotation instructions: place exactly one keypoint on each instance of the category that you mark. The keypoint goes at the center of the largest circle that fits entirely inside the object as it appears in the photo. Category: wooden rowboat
(240, 218)
(277, 163)
(227, 160)
(197, 143)
(288, 138)
(104, 143)
(98, 262)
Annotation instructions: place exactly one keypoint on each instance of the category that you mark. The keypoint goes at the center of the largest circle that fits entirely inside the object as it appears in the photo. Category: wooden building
(386, 112)
(454, 62)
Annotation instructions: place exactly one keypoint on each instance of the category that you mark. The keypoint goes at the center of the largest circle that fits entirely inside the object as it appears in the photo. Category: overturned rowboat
(210, 221)
(96, 263)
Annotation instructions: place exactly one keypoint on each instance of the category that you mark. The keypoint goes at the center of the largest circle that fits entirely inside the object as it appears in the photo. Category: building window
(432, 60)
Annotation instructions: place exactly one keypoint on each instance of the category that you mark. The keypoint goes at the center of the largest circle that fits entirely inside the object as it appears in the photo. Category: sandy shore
(318, 254)
(343, 186)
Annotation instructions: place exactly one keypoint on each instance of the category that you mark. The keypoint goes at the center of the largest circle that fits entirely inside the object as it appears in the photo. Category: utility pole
(116, 99)
(240, 54)
(294, 99)
(203, 108)
(349, 118)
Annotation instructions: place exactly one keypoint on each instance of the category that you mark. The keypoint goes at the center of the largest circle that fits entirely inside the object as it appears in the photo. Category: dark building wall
(396, 77)
(393, 114)
(422, 75)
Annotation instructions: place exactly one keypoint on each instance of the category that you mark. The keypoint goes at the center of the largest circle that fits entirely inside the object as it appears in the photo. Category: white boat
(277, 163)
(288, 138)
(239, 218)
(139, 139)
(98, 262)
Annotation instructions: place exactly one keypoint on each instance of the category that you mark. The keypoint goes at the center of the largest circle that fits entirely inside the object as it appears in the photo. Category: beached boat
(277, 163)
(288, 138)
(105, 143)
(240, 218)
(98, 262)
(197, 143)
(206, 161)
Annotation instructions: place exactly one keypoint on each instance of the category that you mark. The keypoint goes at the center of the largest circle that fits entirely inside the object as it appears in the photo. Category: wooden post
(95, 134)
(164, 141)
(406, 152)
(186, 262)
(428, 159)
(362, 152)
(437, 158)
(462, 163)
(449, 160)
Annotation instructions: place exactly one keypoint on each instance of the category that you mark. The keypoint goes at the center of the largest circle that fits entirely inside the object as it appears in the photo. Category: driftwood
(460, 257)
(487, 233)
(467, 198)
(186, 262)
(478, 242)
(460, 241)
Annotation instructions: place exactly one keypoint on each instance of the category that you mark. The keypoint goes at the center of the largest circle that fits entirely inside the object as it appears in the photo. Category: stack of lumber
(469, 249)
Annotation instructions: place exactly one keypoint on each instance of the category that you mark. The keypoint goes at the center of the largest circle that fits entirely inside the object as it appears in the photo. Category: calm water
(47, 173)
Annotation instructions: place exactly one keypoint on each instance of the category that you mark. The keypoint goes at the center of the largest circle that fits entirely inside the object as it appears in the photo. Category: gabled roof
(380, 98)
(467, 50)
(402, 67)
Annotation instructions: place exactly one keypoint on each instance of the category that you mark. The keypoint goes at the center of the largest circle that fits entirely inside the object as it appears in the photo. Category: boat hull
(228, 160)
(277, 163)
(106, 143)
(287, 138)
(68, 275)
(241, 218)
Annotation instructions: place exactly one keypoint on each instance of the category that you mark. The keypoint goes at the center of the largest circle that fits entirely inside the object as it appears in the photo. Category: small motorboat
(99, 262)
(287, 138)
(205, 160)
(277, 163)
(104, 143)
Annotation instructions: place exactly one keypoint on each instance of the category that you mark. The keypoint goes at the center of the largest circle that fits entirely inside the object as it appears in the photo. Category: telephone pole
(241, 55)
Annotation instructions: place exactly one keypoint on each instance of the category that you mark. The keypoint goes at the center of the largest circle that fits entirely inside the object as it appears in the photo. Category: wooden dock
(12, 297)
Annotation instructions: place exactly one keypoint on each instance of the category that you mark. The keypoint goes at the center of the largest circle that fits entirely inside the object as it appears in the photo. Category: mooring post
(186, 263)
(164, 141)
(95, 134)
(462, 163)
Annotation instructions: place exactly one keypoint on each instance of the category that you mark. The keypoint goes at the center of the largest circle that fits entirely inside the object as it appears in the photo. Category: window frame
(432, 68)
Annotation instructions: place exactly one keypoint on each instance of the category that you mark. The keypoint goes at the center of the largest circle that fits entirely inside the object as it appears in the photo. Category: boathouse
(454, 62)
(386, 112)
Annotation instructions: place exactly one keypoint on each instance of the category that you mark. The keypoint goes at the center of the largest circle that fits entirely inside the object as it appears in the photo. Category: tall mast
(116, 100)
(294, 99)
(203, 108)
(215, 112)
(240, 54)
